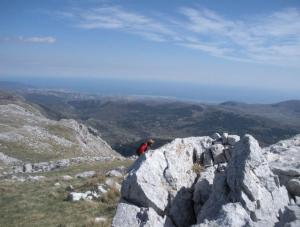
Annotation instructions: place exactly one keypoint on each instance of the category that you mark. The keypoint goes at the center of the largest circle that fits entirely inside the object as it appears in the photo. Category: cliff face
(218, 181)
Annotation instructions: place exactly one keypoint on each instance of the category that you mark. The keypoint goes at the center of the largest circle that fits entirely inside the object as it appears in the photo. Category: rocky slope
(218, 181)
(26, 137)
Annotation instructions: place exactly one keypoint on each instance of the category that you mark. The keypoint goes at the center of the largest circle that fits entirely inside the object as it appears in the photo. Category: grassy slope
(43, 204)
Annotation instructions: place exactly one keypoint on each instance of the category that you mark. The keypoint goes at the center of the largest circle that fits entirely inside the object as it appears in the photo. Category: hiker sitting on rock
(144, 147)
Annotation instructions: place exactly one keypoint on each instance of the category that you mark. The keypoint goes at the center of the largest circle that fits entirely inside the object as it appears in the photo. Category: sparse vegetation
(44, 204)
(197, 168)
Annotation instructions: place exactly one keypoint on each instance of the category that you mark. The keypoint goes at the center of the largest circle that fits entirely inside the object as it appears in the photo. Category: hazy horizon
(167, 89)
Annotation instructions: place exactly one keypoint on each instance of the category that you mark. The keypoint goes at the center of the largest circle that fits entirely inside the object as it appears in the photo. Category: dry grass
(197, 168)
(43, 204)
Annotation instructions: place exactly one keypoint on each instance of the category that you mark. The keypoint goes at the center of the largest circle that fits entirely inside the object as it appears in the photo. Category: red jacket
(142, 149)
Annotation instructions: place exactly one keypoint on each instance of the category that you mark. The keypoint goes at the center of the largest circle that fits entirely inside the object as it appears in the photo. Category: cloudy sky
(253, 44)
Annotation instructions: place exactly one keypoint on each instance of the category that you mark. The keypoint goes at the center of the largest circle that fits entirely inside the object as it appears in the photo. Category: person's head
(150, 142)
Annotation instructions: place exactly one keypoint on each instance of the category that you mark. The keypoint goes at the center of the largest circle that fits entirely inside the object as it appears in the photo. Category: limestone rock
(217, 153)
(27, 168)
(233, 139)
(134, 216)
(168, 169)
(284, 159)
(248, 181)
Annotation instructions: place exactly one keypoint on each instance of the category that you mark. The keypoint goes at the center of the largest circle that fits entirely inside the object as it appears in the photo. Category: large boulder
(248, 181)
(163, 179)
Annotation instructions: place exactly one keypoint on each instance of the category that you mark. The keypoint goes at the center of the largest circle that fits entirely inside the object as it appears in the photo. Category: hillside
(27, 135)
(127, 121)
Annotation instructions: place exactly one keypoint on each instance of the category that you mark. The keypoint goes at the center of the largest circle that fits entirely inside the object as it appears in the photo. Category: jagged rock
(217, 153)
(27, 168)
(284, 159)
(198, 152)
(86, 174)
(230, 215)
(161, 188)
(216, 136)
(134, 216)
(114, 173)
(293, 186)
(249, 181)
(233, 139)
(157, 176)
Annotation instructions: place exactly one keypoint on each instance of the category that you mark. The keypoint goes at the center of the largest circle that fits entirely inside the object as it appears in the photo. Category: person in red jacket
(144, 147)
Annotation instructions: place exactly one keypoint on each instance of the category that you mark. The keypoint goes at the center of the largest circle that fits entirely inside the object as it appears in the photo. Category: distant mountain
(126, 122)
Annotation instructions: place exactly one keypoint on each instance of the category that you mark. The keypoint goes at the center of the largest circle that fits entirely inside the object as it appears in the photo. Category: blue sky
(251, 44)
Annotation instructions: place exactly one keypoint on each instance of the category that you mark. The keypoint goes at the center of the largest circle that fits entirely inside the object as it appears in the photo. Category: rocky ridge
(213, 181)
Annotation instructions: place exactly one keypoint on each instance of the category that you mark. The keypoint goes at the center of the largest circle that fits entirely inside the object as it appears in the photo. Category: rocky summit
(222, 180)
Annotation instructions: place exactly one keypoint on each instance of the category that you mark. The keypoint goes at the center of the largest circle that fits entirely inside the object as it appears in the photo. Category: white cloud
(272, 38)
(33, 39)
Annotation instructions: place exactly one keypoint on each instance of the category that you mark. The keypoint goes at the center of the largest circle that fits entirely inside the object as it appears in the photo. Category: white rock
(57, 184)
(86, 174)
(233, 139)
(284, 159)
(27, 168)
(129, 215)
(168, 168)
(102, 189)
(230, 215)
(110, 182)
(217, 153)
(249, 181)
(114, 173)
(100, 219)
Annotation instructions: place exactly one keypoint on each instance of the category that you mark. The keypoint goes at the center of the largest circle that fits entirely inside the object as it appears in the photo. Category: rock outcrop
(202, 181)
